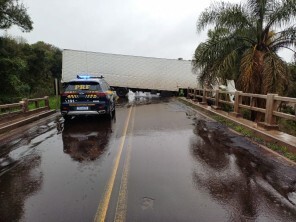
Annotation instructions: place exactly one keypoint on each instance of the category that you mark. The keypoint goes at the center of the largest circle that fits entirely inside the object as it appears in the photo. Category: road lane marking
(121, 209)
(103, 206)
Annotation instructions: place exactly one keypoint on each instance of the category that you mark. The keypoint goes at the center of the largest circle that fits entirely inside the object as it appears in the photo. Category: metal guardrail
(24, 106)
(248, 101)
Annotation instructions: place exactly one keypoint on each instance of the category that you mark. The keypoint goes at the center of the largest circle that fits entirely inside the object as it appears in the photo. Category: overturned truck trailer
(136, 73)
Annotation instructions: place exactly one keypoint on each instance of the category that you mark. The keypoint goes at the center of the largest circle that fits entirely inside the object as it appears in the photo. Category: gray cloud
(153, 28)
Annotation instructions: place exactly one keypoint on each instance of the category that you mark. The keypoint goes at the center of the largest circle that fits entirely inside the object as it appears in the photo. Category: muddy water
(181, 167)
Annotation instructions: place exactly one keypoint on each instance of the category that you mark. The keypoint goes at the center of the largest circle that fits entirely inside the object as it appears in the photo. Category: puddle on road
(85, 139)
(19, 178)
(16, 151)
(239, 176)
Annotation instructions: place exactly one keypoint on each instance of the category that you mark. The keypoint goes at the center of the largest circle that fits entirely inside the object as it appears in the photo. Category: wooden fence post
(270, 119)
(217, 97)
(25, 107)
(46, 99)
(204, 97)
(237, 101)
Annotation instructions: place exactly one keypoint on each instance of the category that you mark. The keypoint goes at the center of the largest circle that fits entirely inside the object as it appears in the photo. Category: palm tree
(244, 43)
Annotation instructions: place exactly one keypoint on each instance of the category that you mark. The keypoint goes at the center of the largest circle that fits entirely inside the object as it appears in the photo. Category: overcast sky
(152, 28)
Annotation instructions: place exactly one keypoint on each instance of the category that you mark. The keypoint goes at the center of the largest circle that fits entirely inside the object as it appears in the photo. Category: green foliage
(287, 126)
(277, 147)
(282, 150)
(227, 108)
(27, 70)
(243, 44)
(12, 12)
(290, 156)
(246, 114)
(291, 92)
(54, 102)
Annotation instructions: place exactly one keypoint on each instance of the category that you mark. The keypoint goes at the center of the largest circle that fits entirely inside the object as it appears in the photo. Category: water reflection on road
(20, 175)
(239, 177)
(85, 139)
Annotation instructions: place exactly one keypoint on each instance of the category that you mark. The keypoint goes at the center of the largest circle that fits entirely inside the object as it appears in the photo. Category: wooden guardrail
(24, 106)
(272, 110)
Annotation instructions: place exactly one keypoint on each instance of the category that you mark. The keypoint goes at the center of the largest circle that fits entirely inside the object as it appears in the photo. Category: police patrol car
(87, 95)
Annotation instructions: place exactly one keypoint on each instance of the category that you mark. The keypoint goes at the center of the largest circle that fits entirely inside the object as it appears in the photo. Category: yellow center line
(103, 206)
(121, 209)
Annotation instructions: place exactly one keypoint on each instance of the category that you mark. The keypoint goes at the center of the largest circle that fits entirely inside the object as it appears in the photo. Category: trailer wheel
(167, 94)
(121, 92)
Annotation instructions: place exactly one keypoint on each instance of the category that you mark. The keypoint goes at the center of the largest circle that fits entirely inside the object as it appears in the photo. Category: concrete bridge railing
(24, 107)
(271, 105)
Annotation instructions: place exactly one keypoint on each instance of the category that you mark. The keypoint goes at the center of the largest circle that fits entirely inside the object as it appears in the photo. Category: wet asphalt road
(157, 161)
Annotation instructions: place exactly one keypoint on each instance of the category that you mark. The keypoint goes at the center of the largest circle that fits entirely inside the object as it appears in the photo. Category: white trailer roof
(129, 71)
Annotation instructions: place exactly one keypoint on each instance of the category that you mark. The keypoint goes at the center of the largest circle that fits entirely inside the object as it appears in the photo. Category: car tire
(113, 112)
(66, 117)
(110, 114)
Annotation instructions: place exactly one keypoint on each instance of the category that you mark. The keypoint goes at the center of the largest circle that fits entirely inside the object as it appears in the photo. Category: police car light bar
(89, 77)
(83, 77)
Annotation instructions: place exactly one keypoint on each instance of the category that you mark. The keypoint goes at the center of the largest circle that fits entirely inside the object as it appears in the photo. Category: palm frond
(283, 14)
(247, 79)
(276, 74)
(224, 14)
(284, 39)
(218, 57)
(257, 7)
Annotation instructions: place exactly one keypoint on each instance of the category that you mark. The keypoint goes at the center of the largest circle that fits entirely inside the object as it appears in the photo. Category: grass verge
(54, 103)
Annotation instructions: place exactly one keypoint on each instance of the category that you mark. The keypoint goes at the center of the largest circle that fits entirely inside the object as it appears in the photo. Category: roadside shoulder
(280, 144)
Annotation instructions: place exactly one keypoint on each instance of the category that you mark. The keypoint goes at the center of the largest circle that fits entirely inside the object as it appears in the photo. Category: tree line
(26, 70)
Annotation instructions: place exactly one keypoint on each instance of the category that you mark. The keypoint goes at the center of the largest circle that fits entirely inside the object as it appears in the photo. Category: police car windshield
(78, 86)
